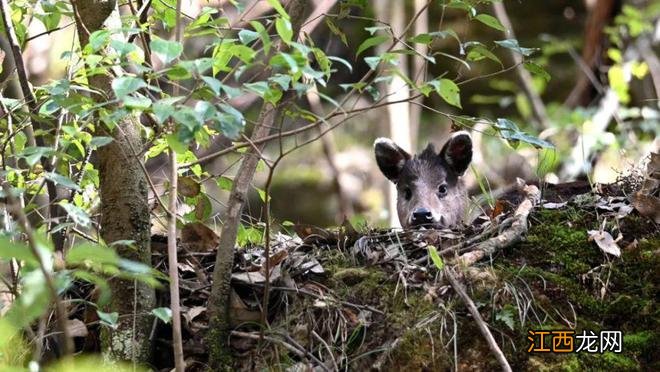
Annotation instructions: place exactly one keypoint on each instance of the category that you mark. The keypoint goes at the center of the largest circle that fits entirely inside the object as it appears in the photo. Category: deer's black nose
(421, 216)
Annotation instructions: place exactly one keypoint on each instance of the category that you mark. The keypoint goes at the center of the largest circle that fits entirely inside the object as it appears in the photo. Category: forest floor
(379, 299)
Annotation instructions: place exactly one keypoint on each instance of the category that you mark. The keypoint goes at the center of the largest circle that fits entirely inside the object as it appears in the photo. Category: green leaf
(78, 215)
(336, 30)
(175, 144)
(19, 251)
(126, 84)
(108, 319)
(342, 61)
(490, 21)
(537, 70)
(513, 45)
(224, 183)
(165, 108)
(90, 253)
(506, 316)
(99, 39)
(279, 8)
(370, 42)
(59, 179)
(100, 141)
(263, 34)
(247, 36)
(421, 39)
(619, 83)
(372, 62)
(166, 50)
(32, 154)
(510, 132)
(435, 257)
(259, 87)
(163, 313)
(448, 90)
(213, 83)
(283, 27)
(479, 52)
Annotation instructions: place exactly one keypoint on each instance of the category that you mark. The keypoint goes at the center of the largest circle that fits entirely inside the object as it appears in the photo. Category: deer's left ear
(457, 152)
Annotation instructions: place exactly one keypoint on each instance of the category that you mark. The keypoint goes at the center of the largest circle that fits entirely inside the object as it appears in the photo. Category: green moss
(607, 361)
(641, 342)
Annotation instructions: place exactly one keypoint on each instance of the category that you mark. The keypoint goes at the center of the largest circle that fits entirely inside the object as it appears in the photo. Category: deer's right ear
(390, 158)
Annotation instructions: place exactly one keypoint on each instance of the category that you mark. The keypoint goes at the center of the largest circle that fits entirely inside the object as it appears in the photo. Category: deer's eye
(407, 193)
(442, 190)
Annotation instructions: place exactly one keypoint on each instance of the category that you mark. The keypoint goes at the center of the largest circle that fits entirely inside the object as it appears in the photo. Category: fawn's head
(430, 191)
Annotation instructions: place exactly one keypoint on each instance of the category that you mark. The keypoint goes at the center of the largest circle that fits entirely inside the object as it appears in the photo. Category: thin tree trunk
(600, 14)
(393, 12)
(124, 206)
(418, 71)
(218, 305)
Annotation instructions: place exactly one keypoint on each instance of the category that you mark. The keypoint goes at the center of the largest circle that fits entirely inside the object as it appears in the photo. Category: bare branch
(483, 327)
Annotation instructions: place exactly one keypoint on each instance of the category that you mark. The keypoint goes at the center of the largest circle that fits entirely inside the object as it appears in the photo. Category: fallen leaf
(197, 237)
(193, 312)
(647, 205)
(605, 242)
(77, 328)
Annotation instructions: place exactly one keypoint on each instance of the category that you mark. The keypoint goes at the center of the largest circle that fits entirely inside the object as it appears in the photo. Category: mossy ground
(555, 279)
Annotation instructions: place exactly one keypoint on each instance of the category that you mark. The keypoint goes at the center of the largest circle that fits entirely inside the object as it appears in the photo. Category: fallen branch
(483, 327)
(299, 351)
(509, 236)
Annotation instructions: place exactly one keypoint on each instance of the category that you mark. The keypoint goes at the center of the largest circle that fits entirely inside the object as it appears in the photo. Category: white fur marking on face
(385, 141)
(460, 133)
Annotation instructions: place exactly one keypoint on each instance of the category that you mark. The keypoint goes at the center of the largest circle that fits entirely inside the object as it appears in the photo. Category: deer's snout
(421, 216)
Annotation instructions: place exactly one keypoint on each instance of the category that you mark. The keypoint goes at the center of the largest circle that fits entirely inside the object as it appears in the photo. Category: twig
(301, 353)
(172, 259)
(35, 119)
(321, 297)
(483, 327)
(47, 32)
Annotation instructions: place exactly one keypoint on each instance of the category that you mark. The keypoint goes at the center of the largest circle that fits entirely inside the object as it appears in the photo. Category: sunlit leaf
(284, 29)
(490, 21)
(448, 90)
(435, 257)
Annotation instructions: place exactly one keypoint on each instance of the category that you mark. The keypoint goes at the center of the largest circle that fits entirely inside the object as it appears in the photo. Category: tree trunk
(600, 15)
(393, 13)
(218, 304)
(124, 207)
